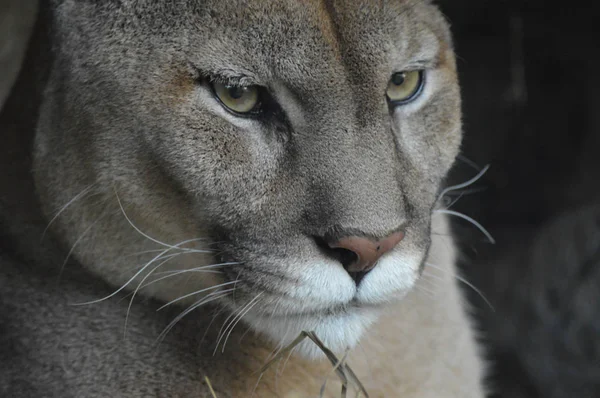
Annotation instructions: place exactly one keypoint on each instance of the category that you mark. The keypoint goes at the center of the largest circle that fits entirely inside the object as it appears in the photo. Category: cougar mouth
(332, 311)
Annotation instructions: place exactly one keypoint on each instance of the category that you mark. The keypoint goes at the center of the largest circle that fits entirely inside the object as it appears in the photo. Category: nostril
(344, 256)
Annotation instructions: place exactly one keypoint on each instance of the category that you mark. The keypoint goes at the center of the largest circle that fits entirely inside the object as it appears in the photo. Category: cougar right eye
(403, 87)
(238, 99)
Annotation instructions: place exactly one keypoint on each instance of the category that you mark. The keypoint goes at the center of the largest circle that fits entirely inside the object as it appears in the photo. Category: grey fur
(126, 117)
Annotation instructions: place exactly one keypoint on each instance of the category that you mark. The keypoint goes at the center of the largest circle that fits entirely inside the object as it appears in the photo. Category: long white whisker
(128, 282)
(429, 293)
(69, 203)
(214, 317)
(466, 183)
(204, 300)
(195, 293)
(459, 197)
(160, 279)
(210, 297)
(72, 249)
(239, 318)
(248, 329)
(157, 257)
(130, 269)
(169, 274)
(151, 238)
(223, 329)
(145, 252)
(461, 279)
(233, 317)
(235, 286)
(169, 248)
(430, 283)
(468, 162)
(140, 284)
(275, 352)
(196, 269)
(172, 274)
(278, 347)
(288, 358)
(175, 247)
(150, 273)
(227, 322)
(256, 385)
(175, 273)
(469, 219)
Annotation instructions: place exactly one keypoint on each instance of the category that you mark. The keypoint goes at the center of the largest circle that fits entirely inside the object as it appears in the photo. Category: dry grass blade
(344, 371)
(334, 369)
(210, 387)
(332, 358)
(283, 351)
(341, 369)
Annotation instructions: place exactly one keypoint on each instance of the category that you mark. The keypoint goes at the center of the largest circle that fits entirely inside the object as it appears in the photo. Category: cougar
(189, 188)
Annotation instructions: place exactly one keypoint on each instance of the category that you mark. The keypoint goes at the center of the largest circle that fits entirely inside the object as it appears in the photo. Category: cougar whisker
(80, 195)
(466, 183)
(205, 300)
(141, 283)
(156, 258)
(196, 269)
(195, 293)
(248, 307)
(461, 279)
(469, 219)
(150, 237)
(74, 245)
(138, 266)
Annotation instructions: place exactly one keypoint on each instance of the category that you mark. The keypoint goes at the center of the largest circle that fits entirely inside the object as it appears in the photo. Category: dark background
(530, 77)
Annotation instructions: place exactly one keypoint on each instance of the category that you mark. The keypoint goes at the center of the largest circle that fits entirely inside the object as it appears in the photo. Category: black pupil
(398, 79)
(236, 92)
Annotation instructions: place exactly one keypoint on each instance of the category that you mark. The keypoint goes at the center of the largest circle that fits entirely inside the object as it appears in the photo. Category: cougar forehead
(130, 117)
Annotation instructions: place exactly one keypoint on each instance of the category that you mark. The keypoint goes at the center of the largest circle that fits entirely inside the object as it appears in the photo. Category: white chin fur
(329, 287)
(337, 332)
(392, 278)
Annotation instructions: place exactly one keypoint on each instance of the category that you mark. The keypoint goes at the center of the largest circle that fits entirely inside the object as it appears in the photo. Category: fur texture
(149, 185)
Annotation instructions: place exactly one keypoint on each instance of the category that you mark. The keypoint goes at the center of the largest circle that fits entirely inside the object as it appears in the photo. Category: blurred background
(530, 77)
(529, 73)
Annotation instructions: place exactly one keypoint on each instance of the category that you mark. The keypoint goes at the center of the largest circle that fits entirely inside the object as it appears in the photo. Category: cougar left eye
(239, 99)
(405, 86)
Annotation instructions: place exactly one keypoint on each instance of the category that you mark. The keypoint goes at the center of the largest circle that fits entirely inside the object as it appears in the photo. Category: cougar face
(301, 143)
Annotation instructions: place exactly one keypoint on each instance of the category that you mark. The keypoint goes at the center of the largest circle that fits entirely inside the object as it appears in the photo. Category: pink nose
(367, 251)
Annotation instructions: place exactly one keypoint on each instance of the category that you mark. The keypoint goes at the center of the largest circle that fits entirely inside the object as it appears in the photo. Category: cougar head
(285, 154)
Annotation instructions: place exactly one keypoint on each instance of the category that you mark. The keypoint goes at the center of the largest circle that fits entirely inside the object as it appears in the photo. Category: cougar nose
(366, 251)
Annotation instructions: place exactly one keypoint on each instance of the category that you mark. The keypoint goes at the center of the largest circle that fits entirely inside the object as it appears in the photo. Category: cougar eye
(239, 99)
(404, 86)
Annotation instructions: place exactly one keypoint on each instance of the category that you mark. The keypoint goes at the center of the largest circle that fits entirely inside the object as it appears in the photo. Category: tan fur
(325, 24)
(421, 347)
(134, 160)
